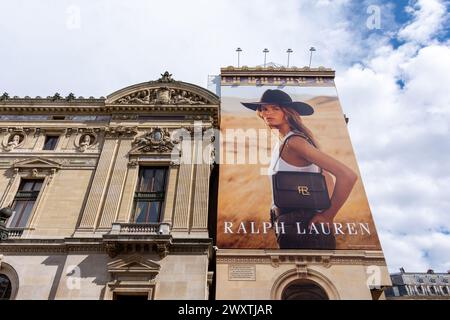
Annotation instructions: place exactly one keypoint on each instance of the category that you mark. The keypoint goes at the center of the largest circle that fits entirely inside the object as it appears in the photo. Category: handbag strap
(296, 133)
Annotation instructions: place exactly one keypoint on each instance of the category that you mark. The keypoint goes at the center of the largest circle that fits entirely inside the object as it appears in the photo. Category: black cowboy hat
(280, 98)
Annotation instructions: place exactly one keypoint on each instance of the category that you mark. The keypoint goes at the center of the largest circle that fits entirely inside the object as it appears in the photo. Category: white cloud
(401, 139)
(119, 43)
(429, 16)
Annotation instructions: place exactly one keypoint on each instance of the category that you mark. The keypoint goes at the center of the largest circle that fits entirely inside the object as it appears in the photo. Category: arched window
(304, 290)
(5, 287)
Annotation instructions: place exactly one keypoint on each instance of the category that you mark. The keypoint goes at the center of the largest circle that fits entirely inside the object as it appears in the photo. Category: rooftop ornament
(166, 77)
(4, 96)
(56, 96)
(70, 97)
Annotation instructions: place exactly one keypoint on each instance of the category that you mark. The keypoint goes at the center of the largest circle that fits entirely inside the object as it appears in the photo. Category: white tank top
(283, 165)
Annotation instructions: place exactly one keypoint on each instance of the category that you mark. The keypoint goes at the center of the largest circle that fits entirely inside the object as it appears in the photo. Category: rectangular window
(24, 201)
(150, 194)
(50, 142)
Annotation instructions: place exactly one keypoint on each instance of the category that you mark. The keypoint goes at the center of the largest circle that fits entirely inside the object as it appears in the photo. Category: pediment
(134, 263)
(37, 163)
(163, 92)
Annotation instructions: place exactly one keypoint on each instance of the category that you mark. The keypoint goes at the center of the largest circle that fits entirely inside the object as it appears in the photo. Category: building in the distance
(419, 285)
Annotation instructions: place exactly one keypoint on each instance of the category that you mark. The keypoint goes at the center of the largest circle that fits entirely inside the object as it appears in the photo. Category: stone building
(419, 285)
(104, 205)
(116, 198)
(289, 274)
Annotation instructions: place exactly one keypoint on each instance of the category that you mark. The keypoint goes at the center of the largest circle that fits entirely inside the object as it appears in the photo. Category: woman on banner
(300, 176)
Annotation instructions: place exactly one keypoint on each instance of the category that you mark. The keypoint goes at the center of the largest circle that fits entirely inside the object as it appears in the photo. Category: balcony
(138, 237)
(11, 233)
(140, 229)
(15, 233)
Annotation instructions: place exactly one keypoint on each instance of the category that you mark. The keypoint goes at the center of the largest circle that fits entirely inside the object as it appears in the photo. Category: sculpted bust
(14, 142)
(86, 141)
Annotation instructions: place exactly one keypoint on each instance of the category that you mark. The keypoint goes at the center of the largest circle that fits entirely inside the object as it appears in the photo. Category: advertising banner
(288, 175)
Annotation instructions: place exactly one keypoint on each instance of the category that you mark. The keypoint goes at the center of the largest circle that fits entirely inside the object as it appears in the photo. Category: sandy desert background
(245, 194)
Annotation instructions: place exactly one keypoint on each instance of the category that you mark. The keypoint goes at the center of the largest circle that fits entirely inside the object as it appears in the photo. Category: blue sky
(392, 80)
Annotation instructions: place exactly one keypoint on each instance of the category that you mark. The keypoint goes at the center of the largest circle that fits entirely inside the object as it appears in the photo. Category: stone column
(126, 203)
(116, 185)
(201, 197)
(11, 190)
(96, 193)
(184, 190)
(170, 194)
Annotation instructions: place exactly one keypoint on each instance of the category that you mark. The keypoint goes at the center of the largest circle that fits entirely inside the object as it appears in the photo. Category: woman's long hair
(295, 123)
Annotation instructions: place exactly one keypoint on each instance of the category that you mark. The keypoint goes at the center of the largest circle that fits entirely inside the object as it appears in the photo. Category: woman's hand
(321, 217)
(345, 177)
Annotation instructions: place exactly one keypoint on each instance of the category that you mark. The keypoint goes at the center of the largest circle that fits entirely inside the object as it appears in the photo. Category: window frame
(27, 196)
(150, 197)
(56, 136)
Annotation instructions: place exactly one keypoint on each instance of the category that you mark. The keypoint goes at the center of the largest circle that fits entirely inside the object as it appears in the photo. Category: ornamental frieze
(117, 131)
(162, 95)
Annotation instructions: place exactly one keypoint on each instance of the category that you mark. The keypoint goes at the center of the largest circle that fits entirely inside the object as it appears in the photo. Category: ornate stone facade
(81, 240)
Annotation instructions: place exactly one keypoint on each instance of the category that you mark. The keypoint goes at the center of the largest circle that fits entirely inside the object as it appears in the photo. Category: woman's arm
(345, 177)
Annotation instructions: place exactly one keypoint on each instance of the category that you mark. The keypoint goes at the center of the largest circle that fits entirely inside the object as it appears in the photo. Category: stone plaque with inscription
(241, 272)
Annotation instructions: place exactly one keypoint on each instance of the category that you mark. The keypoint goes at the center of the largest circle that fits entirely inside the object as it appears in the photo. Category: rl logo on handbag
(303, 190)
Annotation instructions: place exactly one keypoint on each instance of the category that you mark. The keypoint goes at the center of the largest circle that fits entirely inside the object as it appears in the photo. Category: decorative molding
(157, 140)
(120, 131)
(302, 270)
(146, 244)
(36, 162)
(133, 264)
(59, 161)
(162, 95)
(325, 260)
(133, 163)
(277, 76)
(120, 117)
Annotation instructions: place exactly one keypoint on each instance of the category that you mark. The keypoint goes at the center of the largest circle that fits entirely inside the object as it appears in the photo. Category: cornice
(99, 245)
(320, 257)
(278, 71)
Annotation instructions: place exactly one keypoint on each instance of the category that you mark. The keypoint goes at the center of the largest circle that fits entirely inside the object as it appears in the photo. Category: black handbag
(302, 190)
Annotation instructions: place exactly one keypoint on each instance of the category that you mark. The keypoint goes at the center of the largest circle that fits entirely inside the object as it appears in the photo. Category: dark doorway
(5, 287)
(141, 296)
(304, 290)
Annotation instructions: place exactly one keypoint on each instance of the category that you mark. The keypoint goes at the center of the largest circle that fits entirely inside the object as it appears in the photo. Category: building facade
(419, 285)
(104, 206)
(118, 198)
(249, 263)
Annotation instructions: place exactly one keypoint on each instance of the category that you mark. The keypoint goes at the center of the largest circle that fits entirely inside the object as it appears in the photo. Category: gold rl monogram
(303, 190)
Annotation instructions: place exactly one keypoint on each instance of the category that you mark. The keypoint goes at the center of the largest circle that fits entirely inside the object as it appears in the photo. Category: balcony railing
(140, 228)
(14, 233)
